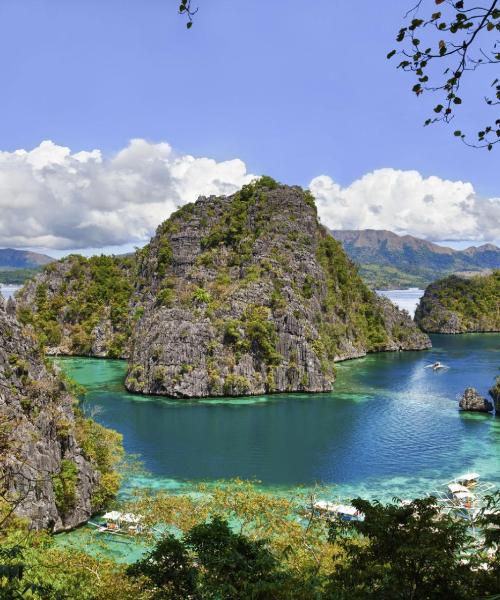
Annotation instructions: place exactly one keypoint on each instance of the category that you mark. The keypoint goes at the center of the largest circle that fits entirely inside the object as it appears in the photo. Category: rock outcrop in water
(44, 473)
(472, 401)
(461, 305)
(239, 295)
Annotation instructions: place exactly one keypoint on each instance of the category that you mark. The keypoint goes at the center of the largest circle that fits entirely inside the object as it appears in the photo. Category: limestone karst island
(219, 384)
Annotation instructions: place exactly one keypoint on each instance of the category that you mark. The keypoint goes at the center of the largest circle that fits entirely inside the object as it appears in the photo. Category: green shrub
(104, 449)
(201, 296)
(236, 385)
(165, 297)
(64, 485)
(261, 334)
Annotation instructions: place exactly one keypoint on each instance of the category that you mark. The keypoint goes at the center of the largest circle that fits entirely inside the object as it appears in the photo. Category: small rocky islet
(458, 304)
(235, 295)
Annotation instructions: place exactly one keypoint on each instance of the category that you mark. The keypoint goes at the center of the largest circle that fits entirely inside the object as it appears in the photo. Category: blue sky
(292, 91)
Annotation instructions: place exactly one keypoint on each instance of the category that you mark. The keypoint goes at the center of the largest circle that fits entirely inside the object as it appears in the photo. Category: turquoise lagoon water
(389, 427)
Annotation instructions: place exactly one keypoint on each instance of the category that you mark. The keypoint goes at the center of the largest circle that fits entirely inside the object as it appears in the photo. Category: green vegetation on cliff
(82, 304)
(461, 305)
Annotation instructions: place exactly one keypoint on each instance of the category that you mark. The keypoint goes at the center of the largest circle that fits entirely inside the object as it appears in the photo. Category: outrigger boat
(459, 498)
(469, 480)
(461, 495)
(345, 512)
(117, 523)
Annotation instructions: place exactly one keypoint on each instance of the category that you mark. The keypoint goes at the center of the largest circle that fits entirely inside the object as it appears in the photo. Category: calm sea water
(8, 290)
(390, 426)
(404, 299)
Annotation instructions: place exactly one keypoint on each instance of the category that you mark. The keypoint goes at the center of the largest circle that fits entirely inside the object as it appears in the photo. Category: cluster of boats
(463, 496)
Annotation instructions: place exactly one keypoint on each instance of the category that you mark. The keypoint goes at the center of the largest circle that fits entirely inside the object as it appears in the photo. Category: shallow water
(389, 427)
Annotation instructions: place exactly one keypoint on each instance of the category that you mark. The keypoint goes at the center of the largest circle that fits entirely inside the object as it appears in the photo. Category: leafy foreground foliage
(445, 43)
(233, 541)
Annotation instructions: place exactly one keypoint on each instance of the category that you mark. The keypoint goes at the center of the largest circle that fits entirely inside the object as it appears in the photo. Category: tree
(168, 571)
(412, 551)
(444, 43)
(211, 561)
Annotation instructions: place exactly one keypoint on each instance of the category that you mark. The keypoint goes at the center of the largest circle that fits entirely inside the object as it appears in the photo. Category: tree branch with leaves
(441, 48)
(186, 9)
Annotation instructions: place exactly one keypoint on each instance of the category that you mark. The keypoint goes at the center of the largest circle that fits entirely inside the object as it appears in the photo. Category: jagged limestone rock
(249, 294)
(472, 401)
(244, 294)
(43, 471)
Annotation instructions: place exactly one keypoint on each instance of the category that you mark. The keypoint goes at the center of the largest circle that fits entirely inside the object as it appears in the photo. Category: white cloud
(53, 198)
(405, 202)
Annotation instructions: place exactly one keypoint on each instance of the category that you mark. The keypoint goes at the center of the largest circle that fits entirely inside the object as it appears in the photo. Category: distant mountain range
(22, 259)
(17, 265)
(387, 260)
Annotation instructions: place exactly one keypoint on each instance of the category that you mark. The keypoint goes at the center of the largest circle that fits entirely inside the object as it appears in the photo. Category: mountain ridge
(10, 258)
(388, 260)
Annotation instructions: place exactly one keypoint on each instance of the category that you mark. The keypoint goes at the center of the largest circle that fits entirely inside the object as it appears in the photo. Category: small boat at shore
(345, 512)
(118, 523)
(461, 495)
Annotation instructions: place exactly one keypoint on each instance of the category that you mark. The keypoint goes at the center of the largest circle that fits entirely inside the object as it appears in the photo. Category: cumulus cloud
(405, 202)
(54, 198)
(51, 197)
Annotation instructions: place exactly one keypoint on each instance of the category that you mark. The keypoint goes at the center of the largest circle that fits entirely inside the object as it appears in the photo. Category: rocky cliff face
(43, 472)
(461, 305)
(248, 294)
